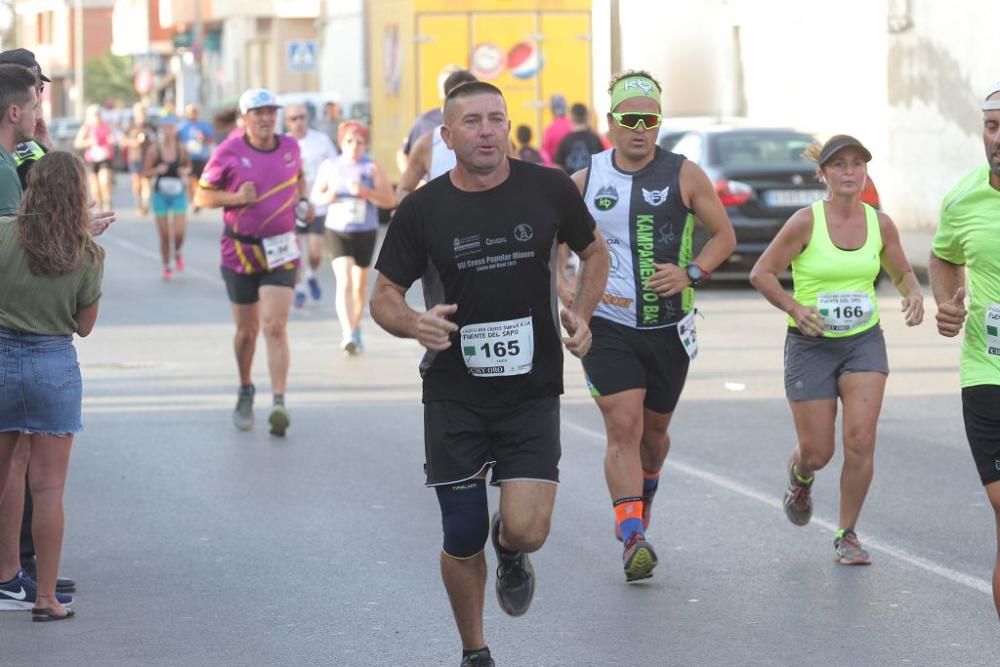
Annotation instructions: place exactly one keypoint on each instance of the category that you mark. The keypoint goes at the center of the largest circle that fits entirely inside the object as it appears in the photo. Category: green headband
(634, 86)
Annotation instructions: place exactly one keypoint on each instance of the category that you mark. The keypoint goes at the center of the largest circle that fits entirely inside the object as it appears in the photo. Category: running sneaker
(243, 414)
(647, 504)
(299, 300)
(515, 576)
(848, 550)
(279, 420)
(356, 339)
(478, 659)
(639, 558)
(63, 584)
(349, 347)
(167, 273)
(314, 291)
(19, 594)
(798, 498)
(179, 262)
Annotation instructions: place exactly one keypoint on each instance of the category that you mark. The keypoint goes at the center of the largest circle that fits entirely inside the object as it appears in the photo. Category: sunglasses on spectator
(631, 119)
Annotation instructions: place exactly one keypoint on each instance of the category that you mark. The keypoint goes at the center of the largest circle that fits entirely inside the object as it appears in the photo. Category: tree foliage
(109, 75)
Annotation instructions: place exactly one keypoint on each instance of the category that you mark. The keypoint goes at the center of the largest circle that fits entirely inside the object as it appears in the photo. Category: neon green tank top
(840, 283)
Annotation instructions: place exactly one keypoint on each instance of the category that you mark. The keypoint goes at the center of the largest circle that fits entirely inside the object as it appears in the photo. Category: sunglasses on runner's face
(631, 119)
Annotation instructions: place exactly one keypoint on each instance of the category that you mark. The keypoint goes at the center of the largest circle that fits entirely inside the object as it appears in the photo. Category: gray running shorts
(813, 365)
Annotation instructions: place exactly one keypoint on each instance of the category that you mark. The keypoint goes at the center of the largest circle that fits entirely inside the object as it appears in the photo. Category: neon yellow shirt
(840, 283)
(969, 234)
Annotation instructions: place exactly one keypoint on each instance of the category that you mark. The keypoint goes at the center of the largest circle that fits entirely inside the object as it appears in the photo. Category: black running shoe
(478, 659)
(515, 576)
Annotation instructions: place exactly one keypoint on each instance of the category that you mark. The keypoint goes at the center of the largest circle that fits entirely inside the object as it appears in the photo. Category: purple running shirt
(275, 175)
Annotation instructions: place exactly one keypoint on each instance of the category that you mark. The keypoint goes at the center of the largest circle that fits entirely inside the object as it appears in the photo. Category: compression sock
(628, 514)
(650, 482)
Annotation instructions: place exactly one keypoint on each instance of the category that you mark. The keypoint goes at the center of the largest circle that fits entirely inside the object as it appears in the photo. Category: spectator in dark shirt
(576, 147)
(527, 152)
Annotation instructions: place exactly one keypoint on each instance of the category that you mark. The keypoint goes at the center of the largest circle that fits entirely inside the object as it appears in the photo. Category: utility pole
(78, 56)
(198, 47)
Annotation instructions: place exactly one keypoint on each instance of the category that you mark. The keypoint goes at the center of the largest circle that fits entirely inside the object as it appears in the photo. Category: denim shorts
(40, 386)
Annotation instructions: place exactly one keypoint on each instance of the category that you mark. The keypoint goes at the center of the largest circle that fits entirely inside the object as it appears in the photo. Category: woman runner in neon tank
(834, 346)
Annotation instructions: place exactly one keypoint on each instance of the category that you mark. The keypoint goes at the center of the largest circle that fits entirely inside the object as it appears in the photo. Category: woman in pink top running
(96, 140)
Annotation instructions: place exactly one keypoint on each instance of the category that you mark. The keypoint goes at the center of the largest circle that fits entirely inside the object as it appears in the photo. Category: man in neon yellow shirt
(967, 248)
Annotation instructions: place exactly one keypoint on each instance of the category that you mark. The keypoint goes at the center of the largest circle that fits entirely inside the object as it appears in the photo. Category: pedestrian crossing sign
(302, 55)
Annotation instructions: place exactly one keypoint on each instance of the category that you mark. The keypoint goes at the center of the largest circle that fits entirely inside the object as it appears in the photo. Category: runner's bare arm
(898, 267)
(82, 138)
(389, 309)
(595, 262)
(699, 194)
(381, 194)
(417, 166)
(322, 193)
(786, 245)
(303, 192)
(948, 287)
(212, 198)
(149, 165)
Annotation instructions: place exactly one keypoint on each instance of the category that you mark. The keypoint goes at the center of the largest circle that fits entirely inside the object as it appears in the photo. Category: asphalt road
(195, 544)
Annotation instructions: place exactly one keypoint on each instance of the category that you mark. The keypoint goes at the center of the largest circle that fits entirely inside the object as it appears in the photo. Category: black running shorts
(981, 410)
(622, 358)
(520, 442)
(360, 246)
(244, 289)
(317, 226)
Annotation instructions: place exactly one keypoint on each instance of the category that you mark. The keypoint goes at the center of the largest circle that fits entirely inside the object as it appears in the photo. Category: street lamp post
(78, 55)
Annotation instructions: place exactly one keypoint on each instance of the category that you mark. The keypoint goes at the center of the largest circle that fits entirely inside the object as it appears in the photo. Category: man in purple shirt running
(257, 180)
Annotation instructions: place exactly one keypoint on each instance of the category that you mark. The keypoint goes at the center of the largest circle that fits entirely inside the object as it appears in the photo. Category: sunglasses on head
(631, 119)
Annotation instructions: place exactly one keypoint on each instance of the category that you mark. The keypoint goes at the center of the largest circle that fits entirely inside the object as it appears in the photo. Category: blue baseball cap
(257, 98)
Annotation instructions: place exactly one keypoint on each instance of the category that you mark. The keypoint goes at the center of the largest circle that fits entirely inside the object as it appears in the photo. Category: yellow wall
(529, 49)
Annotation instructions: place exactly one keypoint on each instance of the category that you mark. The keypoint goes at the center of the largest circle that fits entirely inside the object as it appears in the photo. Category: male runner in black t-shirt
(482, 238)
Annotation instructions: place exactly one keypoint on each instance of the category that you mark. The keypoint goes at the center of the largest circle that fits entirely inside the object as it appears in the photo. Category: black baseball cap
(838, 143)
(27, 59)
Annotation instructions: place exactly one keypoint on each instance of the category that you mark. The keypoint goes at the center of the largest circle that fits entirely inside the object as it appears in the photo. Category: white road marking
(975, 583)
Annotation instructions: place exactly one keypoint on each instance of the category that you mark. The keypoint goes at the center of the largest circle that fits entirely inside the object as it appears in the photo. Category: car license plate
(792, 198)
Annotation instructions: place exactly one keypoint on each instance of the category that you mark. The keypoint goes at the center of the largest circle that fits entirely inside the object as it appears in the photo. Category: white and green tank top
(643, 220)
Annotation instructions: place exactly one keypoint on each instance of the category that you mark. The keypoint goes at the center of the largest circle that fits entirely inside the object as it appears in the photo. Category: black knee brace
(465, 517)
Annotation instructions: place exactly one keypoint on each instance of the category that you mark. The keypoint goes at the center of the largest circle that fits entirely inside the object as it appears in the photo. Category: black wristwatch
(696, 274)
